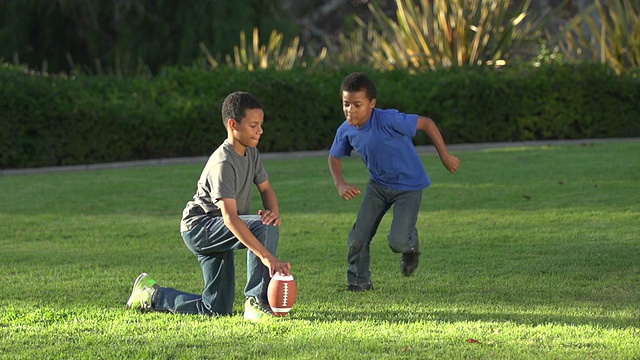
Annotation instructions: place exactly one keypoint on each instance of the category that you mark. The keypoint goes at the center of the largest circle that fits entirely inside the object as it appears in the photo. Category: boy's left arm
(428, 126)
(271, 212)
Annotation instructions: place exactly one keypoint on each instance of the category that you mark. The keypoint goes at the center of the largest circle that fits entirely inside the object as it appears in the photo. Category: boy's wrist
(339, 183)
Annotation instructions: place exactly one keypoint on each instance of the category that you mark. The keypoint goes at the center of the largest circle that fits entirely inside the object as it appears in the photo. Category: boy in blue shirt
(383, 138)
(216, 222)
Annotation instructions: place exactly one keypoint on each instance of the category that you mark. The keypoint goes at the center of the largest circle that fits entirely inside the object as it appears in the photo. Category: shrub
(270, 56)
(606, 32)
(435, 34)
(58, 120)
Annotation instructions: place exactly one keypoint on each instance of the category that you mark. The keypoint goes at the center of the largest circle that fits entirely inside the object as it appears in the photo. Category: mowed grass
(529, 252)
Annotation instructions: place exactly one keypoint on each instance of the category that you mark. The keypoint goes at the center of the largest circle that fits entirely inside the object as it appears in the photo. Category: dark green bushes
(551, 102)
(53, 120)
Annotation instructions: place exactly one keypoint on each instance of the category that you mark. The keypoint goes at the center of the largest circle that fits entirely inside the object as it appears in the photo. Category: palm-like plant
(272, 55)
(445, 33)
(606, 32)
(350, 49)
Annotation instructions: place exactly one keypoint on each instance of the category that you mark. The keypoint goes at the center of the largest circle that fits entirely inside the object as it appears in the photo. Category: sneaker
(143, 289)
(258, 312)
(409, 262)
(360, 287)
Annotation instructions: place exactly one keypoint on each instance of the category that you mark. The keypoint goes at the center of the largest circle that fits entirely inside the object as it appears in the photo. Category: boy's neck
(367, 119)
(237, 146)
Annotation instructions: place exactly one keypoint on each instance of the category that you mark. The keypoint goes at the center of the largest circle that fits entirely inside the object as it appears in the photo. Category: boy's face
(357, 107)
(247, 132)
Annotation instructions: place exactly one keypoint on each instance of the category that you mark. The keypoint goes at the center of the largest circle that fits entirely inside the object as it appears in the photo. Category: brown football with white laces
(282, 293)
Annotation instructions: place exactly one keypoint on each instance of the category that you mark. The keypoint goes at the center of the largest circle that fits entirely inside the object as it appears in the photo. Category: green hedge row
(55, 120)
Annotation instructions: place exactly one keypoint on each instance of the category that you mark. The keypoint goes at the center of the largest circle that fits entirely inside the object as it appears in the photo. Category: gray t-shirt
(226, 175)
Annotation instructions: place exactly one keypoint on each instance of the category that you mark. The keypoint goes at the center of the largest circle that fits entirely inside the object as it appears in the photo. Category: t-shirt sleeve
(341, 146)
(261, 174)
(405, 124)
(221, 178)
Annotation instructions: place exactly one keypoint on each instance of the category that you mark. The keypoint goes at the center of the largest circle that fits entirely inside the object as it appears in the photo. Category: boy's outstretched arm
(346, 191)
(429, 127)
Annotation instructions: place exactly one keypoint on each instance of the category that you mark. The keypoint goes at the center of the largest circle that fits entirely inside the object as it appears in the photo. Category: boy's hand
(348, 191)
(269, 217)
(276, 265)
(450, 162)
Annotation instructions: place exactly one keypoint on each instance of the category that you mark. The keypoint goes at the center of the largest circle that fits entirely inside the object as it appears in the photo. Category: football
(282, 293)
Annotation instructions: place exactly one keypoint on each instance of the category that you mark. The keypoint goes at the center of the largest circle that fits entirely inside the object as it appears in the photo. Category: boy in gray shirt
(217, 222)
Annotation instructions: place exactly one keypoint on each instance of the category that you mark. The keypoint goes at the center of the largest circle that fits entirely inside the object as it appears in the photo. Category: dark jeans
(403, 235)
(213, 244)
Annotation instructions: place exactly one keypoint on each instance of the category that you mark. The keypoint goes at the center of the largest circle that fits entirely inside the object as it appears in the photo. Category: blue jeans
(403, 235)
(213, 244)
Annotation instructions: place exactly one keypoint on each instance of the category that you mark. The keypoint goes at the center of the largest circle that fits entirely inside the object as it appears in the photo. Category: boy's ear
(372, 104)
(231, 123)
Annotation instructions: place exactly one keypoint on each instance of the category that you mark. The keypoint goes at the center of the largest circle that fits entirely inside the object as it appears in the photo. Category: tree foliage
(130, 36)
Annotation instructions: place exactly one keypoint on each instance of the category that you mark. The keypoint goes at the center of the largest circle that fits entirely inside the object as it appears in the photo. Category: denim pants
(403, 235)
(213, 244)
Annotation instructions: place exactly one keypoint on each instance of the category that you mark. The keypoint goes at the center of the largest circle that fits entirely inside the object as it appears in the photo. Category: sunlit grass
(526, 253)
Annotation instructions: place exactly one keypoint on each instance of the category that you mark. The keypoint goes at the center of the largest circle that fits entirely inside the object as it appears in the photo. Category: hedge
(51, 120)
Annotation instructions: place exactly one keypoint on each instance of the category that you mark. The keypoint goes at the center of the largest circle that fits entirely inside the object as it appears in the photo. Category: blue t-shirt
(386, 147)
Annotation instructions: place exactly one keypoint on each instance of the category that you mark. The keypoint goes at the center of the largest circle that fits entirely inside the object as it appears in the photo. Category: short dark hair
(358, 81)
(235, 106)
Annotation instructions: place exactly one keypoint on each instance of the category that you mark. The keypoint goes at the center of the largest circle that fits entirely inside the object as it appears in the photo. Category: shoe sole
(358, 288)
(263, 318)
(409, 272)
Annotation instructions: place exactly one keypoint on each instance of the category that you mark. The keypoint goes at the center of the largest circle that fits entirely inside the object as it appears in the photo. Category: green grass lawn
(529, 252)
